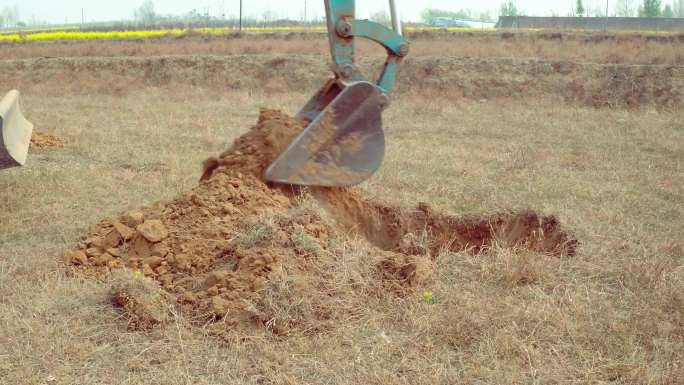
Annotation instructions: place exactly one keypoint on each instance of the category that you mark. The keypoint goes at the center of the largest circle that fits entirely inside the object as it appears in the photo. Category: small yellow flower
(137, 273)
(427, 295)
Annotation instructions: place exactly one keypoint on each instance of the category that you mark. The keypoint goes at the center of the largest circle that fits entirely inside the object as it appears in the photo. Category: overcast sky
(57, 11)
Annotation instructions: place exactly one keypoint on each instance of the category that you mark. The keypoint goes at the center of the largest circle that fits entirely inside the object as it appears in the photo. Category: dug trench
(236, 254)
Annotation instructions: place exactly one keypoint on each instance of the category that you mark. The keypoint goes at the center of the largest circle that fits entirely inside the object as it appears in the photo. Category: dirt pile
(236, 253)
(41, 141)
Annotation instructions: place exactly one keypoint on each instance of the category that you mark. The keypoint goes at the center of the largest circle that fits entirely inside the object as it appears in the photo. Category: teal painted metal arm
(343, 28)
(394, 42)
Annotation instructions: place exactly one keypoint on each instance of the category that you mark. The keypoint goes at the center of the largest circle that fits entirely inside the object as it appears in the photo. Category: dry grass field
(589, 47)
(527, 125)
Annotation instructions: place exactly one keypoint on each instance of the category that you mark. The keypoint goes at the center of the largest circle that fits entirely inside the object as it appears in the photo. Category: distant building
(445, 22)
(647, 24)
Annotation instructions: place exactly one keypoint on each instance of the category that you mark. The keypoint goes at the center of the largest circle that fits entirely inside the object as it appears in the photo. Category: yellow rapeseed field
(46, 35)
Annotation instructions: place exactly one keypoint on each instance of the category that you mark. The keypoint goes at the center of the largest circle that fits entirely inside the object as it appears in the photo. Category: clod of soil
(41, 141)
(238, 253)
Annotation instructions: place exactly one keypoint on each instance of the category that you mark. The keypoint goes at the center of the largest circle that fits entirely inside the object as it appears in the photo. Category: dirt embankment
(239, 254)
(597, 85)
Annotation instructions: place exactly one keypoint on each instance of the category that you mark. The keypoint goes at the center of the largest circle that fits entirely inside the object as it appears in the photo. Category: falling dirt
(236, 253)
(327, 155)
(41, 141)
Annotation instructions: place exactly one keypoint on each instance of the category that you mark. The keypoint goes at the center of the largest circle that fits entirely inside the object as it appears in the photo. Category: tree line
(146, 14)
(625, 8)
(632, 8)
(9, 17)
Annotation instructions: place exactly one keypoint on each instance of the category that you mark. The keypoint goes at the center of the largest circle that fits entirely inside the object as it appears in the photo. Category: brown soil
(236, 253)
(40, 141)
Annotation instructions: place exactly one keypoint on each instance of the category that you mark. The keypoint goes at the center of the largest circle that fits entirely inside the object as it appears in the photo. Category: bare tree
(484, 15)
(10, 16)
(598, 11)
(651, 8)
(678, 8)
(508, 8)
(625, 8)
(269, 16)
(145, 13)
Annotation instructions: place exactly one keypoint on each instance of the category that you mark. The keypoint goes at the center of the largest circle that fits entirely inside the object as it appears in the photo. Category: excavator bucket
(15, 132)
(342, 146)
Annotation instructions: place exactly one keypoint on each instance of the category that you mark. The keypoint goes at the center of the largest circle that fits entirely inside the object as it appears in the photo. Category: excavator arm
(344, 144)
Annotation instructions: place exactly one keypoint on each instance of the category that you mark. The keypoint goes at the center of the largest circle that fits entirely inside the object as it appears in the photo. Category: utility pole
(304, 11)
(82, 17)
(240, 15)
(396, 23)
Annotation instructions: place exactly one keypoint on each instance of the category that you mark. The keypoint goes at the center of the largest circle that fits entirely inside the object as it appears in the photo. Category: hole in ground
(422, 230)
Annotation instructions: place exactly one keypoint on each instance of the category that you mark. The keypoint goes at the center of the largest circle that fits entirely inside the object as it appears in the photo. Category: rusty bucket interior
(15, 132)
(343, 145)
